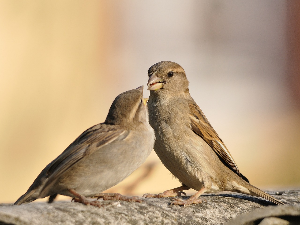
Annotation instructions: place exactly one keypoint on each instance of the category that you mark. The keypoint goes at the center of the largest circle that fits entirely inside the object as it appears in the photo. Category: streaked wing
(202, 127)
(87, 143)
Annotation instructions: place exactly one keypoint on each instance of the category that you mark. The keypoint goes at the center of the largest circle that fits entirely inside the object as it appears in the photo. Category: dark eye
(170, 74)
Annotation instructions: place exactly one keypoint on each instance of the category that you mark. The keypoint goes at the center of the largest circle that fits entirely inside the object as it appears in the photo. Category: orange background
(62, 63)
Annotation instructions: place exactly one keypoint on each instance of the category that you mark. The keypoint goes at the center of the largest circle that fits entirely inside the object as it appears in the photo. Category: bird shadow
(234, 195)
(260, 201)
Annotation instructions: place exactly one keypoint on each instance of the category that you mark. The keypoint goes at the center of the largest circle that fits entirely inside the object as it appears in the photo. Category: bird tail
(259, 193)
(29, 196)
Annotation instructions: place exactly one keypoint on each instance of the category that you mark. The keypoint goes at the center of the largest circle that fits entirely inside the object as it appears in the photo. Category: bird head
(128, 108)
(166, 75)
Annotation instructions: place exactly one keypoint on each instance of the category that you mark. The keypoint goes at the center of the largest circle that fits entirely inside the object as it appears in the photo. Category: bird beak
(140, 88)
(145, 100)
(154, 83)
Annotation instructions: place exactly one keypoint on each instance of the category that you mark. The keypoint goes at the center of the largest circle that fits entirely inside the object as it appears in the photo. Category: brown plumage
(186, 143)
(101, 156)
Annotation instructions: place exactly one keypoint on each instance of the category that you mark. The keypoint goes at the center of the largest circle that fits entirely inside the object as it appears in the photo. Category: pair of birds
(108, 152)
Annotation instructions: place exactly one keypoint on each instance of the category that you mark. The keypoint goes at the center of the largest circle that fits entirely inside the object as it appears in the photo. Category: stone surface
(216, 209)
(286, 214)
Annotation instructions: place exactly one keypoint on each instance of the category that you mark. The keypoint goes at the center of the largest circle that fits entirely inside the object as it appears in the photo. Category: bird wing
(202, 127)
(88, 142)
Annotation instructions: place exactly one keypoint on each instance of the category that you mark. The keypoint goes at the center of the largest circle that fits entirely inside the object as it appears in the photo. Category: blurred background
(62, 63)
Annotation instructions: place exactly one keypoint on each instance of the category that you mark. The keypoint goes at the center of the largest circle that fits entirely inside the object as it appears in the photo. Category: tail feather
(29, 196)
(35, 189)
(259, 193)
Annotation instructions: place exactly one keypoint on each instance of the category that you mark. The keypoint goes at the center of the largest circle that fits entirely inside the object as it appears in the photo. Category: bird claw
(160, 195)
(119, 197)
(175, 192)
(188, 202)
(87, 202)
(82, 199)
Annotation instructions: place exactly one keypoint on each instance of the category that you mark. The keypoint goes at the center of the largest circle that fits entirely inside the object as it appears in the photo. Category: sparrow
(186, 143)
(101, 156)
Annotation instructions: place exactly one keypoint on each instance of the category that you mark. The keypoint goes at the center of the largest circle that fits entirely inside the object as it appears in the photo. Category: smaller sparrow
(186, 143)
(101, 156)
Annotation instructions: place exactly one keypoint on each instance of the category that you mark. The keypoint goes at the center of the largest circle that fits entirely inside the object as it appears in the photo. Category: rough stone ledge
(216, 209)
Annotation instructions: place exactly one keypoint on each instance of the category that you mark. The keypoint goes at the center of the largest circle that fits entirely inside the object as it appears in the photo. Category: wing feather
(201, 126)
(88, 142)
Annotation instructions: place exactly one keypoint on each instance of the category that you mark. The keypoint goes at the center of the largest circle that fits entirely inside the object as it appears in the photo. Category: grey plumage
(101, 156)
(186, 143)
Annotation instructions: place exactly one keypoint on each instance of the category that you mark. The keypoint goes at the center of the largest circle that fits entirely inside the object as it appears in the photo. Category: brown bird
(101, 156)
(186, 143)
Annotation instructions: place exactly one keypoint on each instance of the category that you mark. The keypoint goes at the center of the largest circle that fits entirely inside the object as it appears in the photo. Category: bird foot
(187, 202)
(117, 196)
(81, 199)
(175, 192)
(160, 195)
(165, 194)
(194, 199)
(85, 201)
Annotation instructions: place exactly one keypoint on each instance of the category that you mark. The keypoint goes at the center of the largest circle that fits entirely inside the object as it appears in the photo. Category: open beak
(154, 83)
(145, 100)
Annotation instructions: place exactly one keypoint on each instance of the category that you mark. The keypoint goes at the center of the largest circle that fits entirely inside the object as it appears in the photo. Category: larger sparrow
(101, 156)
(186, 143)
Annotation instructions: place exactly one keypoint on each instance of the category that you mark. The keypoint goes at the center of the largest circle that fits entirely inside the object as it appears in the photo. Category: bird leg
(169, 193)
(81, 199)
(117, 196)
(51, 198)
(194, 199)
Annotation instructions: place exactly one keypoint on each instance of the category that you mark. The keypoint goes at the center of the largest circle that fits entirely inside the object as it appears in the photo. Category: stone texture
(216, 209)
(271, 215)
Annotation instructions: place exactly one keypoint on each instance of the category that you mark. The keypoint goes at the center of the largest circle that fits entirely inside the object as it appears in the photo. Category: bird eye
(170, 74)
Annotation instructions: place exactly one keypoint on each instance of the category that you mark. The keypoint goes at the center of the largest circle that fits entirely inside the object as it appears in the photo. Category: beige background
(63, 62)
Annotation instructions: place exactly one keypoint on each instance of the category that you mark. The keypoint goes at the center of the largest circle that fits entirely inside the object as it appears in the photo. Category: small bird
(101, 156)
(186, 143)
